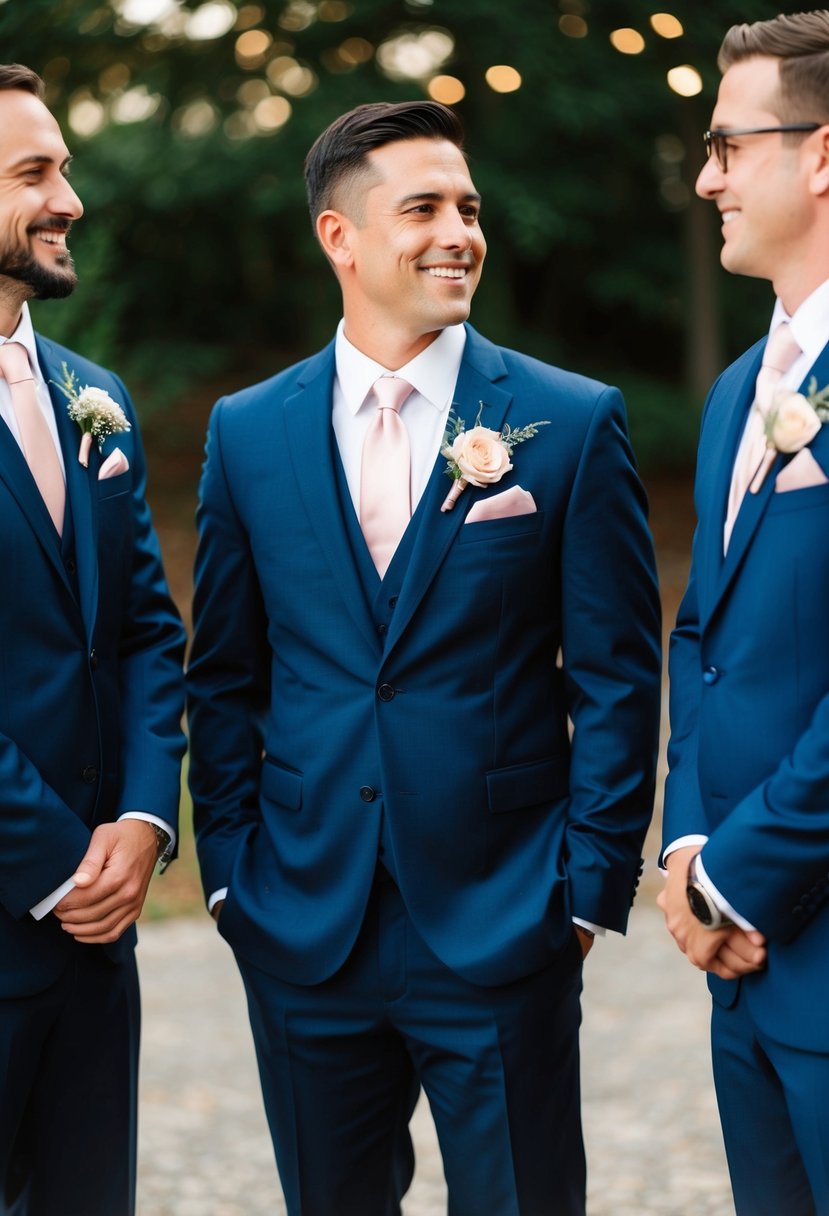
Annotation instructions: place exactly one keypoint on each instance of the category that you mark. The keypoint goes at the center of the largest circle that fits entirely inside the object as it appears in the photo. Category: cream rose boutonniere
(790, 423)
(479, 456)
(94, 411)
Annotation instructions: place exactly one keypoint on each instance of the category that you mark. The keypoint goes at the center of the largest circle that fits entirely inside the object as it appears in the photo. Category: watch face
(699, 905)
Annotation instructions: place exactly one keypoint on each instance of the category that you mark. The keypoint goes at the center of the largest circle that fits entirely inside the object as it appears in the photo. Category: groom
(402, 840)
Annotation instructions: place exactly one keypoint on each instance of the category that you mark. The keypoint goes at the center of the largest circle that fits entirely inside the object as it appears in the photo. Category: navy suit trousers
(341, 1063)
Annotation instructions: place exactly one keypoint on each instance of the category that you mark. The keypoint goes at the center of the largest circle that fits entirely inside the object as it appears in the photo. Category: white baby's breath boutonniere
(94, 411)
(790, 423)
(479, 456)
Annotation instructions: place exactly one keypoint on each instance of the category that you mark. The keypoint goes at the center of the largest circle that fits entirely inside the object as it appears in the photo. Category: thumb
(89, 869)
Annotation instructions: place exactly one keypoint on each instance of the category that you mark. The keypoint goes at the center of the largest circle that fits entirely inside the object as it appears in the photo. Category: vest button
(710, 675)
(90, 774)
(367, 793)
(385, 692)
(93, 660)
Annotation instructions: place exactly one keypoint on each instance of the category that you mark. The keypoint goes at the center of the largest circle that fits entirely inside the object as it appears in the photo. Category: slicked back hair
(16, 76)
(801, 42)
(339, 156)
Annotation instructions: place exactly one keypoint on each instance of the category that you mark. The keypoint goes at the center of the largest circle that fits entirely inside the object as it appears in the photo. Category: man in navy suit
(747, 799)
(91, 695)
(404, 844)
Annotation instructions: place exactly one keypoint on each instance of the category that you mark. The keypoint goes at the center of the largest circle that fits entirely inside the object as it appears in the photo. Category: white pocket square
(800, 473)
(115, 463)
(514, 501)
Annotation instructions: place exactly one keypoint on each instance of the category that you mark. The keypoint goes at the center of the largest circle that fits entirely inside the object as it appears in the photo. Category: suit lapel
(481, 366)
(15, 472)
(754, 506)
(311, 445)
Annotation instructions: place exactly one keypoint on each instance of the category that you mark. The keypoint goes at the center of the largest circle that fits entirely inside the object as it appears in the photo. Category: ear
(819, 176)
(334, 233)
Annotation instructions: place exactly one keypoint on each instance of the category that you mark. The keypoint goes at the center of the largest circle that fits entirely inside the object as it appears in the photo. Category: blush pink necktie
(779, 355)
(36, 438)
(385, 474)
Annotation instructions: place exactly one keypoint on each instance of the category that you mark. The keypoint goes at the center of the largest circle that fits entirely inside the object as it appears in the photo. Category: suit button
(393, 602)
(93, 660)
(385, 692)
(367, 793)
(90, 774)
(381, 628)
(70, 565)
(710, 675)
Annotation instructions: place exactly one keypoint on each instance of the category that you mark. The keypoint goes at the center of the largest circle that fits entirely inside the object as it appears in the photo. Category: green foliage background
(196, 255)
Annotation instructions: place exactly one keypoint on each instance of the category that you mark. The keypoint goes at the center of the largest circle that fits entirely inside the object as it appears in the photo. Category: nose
(711, 179)
(65, 201)
(455, 231)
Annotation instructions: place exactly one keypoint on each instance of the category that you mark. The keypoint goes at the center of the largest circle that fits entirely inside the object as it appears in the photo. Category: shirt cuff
(161, 823)
(596, 930)
(216, 898)
(720, 900)
(681, 842)
(51, 901)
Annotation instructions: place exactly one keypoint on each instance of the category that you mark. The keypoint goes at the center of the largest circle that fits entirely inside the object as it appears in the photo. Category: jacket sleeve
(151, 678)
(228, 676)
(611, 651)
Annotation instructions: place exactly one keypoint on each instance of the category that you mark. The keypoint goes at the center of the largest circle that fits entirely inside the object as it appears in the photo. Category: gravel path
(651, 1128)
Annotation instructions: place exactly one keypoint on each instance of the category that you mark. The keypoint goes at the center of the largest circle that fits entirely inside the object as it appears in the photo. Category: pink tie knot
(14, 363)
(391, 392)
(781, 349)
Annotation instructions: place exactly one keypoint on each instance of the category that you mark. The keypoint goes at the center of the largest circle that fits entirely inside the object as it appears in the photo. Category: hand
(586, 940)
(729, 952)
(111, 882)
(216, 910)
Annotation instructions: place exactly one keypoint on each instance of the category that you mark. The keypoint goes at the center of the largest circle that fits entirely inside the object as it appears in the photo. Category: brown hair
(338, 157)
(16, 76)
(801, 42)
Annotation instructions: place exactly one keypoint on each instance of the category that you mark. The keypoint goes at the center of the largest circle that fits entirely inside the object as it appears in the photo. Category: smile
(447, 272)
(51, 237)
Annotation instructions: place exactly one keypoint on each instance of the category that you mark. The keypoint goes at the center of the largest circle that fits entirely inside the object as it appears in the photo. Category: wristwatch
(701, 903)
(164, 844)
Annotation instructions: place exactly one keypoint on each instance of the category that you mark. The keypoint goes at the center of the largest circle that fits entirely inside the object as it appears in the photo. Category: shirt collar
(433, 373)
(25, 335)
(810, 322)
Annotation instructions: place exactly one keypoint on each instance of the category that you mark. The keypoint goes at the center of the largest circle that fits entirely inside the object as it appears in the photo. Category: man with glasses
(747, 799)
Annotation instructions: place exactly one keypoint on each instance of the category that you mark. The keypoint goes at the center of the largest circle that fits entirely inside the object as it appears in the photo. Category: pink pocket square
(115, 463)
(514, 501)
(800, 473)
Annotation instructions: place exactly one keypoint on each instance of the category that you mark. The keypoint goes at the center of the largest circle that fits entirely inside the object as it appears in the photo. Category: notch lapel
(81, 490)
(15, 472)
(311, 445)
(754, 506)
(481, 366)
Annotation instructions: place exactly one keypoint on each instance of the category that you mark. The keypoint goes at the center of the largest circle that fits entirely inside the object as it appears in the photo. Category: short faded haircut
(338, 157)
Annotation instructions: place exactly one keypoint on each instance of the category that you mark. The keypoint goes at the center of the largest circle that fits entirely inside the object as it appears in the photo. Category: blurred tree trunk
(703, 331)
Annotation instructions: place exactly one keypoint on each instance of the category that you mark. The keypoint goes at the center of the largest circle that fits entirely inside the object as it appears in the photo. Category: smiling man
(399, 838)
(91, 696)
(747, 799)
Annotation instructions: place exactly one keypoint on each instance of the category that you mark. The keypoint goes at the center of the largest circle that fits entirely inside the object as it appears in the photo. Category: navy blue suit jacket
(91, 687)
(501, 825)
(749, 750)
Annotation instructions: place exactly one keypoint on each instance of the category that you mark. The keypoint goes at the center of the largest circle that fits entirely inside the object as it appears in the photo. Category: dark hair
(339, 155)
(801, 42)
(16, 76)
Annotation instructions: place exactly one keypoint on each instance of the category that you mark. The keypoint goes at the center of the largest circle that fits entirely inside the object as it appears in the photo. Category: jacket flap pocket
(281, 785)
(525, 785)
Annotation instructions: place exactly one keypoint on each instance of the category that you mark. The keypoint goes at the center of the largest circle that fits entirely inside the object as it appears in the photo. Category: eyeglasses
(716, 142)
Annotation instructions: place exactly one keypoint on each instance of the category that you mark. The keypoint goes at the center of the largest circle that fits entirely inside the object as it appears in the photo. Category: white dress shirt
(809, 327)
(24, 334)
